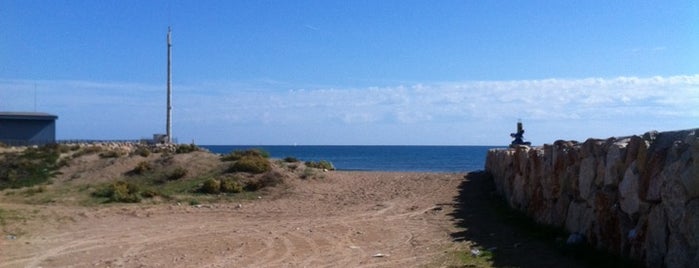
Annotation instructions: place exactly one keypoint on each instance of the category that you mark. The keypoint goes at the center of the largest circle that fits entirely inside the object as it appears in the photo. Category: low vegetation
(120, 191)
(291, 159)
(311, 173)
(29, 167)
(224, 185)
(9, 215)
(474, 257)
(322, 164)
(176, 174)
(186, 148)
(30, 191)
(88, 150)
(164, 178)
(155, 175)
(230, 185)
(251, 164)
(270, 179)
(112, 154)
(142, 151)
(142, 168)
(238, 154)
(211, 186)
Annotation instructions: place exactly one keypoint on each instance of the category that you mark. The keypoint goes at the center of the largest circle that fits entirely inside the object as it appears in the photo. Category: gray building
(27, 128)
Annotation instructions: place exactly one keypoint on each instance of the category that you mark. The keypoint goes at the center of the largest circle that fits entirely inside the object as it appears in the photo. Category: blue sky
(354, 72)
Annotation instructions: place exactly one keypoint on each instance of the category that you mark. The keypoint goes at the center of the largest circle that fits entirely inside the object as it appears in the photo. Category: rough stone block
(628, 191)
(632, 149)
(656, 237)
(678, 252)
(607, 228)
(580, 218)
(518, 193)
(651, 178)
(689, 228)
(674, 199)
(614, 163)
(587, 177)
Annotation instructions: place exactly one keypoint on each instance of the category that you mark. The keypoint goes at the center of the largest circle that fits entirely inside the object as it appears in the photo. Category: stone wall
(634, 196)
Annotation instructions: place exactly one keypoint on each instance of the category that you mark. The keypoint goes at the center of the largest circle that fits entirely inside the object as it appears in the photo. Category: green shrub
(142, 151)
(238, 154)
(62, 148)
(270, 179)
(230, 157)
(92, 149)
(111, 154)
(105, 191)
(211, 186)
(327, 165)
(50, 147)
(186, 148)
(311, 173)
(88, 150)
(323, 164)
(166, 159)
(258, 152)
(229, 185)
(34, 190)
(120, 191)
(308, 173)
(149, 193)
(251, 164)
(29, 167)
(64, 162)
(291, 159)
(142, 167)
(125, 192)
(177, 174)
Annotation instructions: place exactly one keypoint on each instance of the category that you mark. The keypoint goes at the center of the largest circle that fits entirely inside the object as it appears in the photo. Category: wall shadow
(485, 224)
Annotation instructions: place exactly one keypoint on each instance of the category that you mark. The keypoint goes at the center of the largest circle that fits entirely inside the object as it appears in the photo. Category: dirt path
(347, 219)
(343, 220)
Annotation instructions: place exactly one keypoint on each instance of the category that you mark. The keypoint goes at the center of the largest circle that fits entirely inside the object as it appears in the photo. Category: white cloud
(116, 110)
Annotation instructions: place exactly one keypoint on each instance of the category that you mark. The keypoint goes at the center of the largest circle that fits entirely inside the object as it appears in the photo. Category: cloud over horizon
(470, 112)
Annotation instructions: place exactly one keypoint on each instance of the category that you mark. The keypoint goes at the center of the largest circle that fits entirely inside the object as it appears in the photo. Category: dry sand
(347, 219)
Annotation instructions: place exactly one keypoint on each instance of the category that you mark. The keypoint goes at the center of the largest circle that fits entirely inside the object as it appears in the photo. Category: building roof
(27, 116)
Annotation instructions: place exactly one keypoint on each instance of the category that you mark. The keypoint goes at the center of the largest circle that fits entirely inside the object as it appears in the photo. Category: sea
(442, 159)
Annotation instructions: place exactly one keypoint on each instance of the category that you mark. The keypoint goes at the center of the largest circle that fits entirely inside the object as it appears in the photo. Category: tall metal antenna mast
(169, 88)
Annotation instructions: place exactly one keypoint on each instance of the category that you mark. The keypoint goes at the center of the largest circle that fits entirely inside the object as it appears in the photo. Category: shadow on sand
(487, 225)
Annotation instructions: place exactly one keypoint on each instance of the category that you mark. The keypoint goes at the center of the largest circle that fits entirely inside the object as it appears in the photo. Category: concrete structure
(27, 128)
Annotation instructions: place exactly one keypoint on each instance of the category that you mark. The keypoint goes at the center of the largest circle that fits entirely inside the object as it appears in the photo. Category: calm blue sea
(380, 158)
